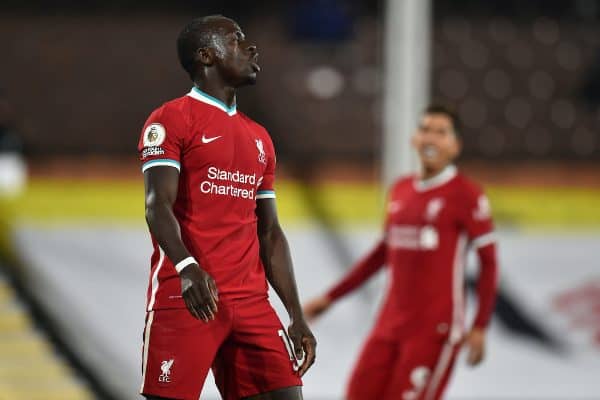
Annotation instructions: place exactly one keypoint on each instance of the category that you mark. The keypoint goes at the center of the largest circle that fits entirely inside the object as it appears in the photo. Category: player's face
(435, 141)
(236, 57)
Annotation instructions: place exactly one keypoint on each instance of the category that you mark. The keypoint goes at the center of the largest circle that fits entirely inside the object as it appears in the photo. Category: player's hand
(316, 307)
(475, 342)
(199, 291)
(304, 343)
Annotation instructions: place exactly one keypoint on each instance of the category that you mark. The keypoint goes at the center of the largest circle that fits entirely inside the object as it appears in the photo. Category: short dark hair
(196, 34)
(447, 111)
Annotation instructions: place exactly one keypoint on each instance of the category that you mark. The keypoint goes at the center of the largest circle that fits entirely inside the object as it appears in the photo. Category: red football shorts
(412, 369)
(246, 347)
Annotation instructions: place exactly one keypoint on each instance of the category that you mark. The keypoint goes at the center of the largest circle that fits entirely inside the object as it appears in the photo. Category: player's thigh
(422, 370)
(257, 357)
(442, 372)
(371, 373)
(290, 393)
(178, 352)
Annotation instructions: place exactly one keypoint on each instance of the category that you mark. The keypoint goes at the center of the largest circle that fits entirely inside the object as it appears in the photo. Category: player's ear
(457, 147)
(205, 56)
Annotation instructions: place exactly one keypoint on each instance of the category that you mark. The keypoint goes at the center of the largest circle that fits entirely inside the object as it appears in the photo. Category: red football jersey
(226, 162)
(429, 226)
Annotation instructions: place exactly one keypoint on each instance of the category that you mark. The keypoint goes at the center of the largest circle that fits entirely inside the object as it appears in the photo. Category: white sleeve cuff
(265, 194)
(161, 163)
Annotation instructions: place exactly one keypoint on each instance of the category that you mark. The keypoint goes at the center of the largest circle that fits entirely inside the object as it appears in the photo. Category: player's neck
(225, 94)
(429, 172)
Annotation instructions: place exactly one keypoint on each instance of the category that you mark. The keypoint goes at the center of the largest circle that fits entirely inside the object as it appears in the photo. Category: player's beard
(251, 79)
(237, 75)
(246, 75)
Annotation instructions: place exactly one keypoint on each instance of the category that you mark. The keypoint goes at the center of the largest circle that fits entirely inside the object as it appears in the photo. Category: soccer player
(431, 220)
(210, 207)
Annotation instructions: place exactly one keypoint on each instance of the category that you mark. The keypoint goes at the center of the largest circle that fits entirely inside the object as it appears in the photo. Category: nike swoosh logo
(206, 140)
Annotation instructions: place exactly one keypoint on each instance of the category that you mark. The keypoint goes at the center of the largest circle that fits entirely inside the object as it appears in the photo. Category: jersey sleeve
(479, 226)
(266, 187)
(370, 263)
(161, 141)
(477, 218)
(360, 272)
(487, 285)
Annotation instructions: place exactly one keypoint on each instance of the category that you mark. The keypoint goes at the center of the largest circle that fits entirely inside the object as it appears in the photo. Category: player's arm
(480, 228)
(486, 282)
(277, 261)
(198, 288)
(357, 276)
(486, 298)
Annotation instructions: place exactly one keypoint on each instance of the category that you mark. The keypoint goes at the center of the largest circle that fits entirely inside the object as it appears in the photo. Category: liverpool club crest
(262, 157)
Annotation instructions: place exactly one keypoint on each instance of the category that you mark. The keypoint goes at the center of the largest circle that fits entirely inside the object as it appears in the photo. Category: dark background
(81, 77)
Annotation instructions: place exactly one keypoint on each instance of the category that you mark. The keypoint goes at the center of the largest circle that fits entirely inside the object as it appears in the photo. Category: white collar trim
(443, 177)
(199, 95)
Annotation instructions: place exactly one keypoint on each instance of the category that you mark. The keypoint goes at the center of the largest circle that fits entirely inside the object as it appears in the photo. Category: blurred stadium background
(341, 87)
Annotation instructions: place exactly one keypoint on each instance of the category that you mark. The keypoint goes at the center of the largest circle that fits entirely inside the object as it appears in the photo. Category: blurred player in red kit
(210, 207)
(431, 220)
